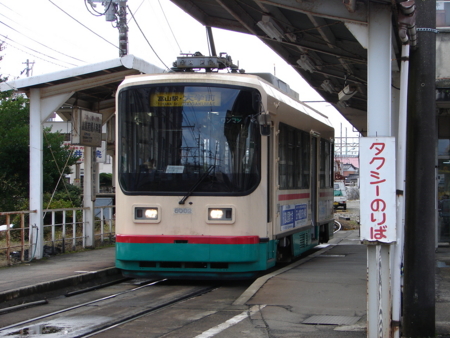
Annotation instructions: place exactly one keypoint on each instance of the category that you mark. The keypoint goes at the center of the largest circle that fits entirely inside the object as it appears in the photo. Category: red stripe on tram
(162, 239)
(288, 197)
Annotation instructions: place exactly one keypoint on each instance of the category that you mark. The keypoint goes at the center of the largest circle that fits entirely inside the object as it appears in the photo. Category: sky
(55, 35)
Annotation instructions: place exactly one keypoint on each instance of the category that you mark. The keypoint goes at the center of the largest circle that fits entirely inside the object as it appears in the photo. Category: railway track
(104, 312)
(99, 315)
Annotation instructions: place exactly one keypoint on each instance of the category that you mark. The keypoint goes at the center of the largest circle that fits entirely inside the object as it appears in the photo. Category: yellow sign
(197, 99)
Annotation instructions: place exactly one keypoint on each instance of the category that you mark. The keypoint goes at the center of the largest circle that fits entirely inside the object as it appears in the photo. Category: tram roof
(330, 36)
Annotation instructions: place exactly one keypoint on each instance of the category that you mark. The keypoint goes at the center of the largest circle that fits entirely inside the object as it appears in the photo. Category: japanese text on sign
(378, 207)
(87, 128)
(195, 99)
(293, 216)
(78, 151)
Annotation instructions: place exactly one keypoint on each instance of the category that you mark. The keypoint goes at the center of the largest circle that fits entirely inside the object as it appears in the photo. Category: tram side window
(294, 154)
(325, 164)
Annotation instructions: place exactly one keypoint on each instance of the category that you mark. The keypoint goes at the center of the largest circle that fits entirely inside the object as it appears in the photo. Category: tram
(219, 175)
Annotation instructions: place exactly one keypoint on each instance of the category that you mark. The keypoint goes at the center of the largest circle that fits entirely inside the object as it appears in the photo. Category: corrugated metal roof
(94, 85)
(330, 36)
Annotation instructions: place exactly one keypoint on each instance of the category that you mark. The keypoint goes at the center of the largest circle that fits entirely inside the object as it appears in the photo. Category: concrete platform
(57, 272)
(323, 295)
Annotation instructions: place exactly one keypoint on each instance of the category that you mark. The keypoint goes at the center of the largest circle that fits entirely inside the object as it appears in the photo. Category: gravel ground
(349, 218)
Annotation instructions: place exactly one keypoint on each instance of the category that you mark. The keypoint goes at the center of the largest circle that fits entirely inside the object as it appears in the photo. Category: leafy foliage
(14, 149)
(15, 154)
(105, 179)
(10, 195)
(57, 160)
(71, 194)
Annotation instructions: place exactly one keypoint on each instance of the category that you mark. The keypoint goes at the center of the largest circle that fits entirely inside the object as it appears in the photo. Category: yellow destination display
(196, 99)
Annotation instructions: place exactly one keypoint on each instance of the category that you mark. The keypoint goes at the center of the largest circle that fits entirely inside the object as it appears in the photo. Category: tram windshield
(188, 138)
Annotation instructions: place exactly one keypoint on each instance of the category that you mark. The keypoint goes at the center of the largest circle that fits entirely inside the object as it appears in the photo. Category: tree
(14, 153)
(105, 180)
(13, 150)
(57, 161)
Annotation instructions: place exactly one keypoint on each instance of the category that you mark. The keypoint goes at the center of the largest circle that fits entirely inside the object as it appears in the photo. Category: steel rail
(79, 305)
(145, 312)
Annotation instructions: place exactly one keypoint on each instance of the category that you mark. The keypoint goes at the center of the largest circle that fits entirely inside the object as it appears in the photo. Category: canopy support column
(378, 125)
(36, 176)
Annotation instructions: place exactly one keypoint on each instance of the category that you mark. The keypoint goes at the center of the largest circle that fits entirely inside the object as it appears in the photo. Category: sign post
(87, 132)
(378, 225)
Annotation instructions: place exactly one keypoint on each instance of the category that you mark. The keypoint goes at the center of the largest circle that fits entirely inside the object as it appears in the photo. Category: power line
(9, 44)
(42, 44)
(8, 8)
(145, 38)
(162, 9)
(34, 31)
(101, 37)
(136, 10)
(36, 51)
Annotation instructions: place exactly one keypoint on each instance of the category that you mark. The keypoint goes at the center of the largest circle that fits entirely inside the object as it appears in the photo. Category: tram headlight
(216, 214)
(143, 213)
(151, 213)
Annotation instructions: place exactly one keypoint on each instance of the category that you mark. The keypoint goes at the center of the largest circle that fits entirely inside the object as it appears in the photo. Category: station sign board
(378, 190)
(87, 128)
(78, 151)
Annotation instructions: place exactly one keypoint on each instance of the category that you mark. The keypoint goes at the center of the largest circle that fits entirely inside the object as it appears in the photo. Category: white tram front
(218, 176)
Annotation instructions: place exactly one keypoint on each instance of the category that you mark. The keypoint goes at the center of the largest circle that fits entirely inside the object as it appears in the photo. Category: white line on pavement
(230, 322)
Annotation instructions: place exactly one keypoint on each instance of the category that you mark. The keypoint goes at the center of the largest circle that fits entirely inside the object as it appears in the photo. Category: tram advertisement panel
(293, 216)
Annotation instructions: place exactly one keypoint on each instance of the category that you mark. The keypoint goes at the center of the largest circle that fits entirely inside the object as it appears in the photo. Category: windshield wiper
(200, 180)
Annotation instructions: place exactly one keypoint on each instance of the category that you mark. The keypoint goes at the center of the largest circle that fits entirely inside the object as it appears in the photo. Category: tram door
(314, 179)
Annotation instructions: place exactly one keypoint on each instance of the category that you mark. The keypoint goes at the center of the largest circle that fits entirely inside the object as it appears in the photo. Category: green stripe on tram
(240, 257)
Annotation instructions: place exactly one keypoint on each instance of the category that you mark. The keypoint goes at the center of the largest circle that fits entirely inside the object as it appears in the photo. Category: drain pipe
(406, 17)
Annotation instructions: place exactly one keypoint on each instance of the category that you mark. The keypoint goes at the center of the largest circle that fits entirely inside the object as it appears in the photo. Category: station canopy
(91, 87)
(325, 41)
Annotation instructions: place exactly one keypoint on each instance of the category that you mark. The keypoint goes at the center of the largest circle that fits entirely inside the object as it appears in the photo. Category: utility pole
(123, 28)
(28, 69)
(115, 11)
(1, 49)
(419, 254)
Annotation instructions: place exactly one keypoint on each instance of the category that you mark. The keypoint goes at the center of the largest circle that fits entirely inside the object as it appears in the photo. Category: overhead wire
(33, 31)
(48, 56)
(162, 9)
(8, 8)
(136, 10)
(145, 37)
(101, 37)
(15, 30)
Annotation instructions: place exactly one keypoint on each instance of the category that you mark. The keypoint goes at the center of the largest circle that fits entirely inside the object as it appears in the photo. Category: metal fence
(64, 230)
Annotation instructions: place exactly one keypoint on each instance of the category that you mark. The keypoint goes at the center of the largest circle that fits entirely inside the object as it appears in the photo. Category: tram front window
(178, 138)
